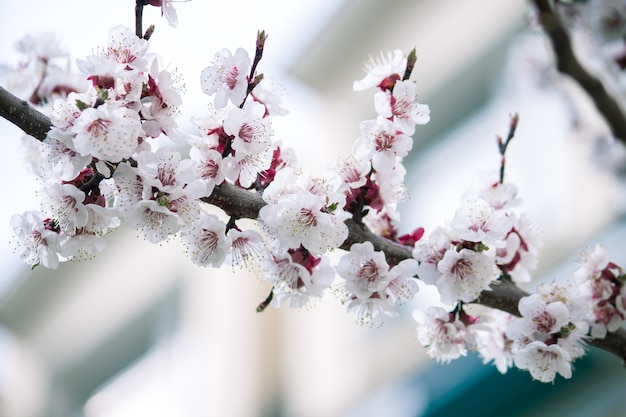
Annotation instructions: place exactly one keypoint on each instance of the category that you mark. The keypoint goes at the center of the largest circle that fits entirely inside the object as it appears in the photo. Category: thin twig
(503, 145)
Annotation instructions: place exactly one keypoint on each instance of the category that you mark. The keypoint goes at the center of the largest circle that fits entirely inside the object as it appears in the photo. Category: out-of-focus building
(141, 331)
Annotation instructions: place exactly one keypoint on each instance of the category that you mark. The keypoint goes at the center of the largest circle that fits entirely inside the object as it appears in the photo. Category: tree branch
(239, 203)
(567, 63)
(23, 115)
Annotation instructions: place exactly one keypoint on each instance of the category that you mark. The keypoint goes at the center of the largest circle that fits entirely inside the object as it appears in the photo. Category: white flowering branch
(100, 169)
(238, 203)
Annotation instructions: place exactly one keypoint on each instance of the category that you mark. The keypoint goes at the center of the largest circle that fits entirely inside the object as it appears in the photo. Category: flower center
(230, 79)
(209, 170)
(462, 268)
(384, 141)
(246, 133)
(368, 271)
(209, 239)
(307, 219)
(544, 322)
(98, 127)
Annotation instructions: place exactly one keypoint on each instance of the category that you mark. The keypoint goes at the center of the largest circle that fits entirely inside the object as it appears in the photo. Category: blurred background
(140, 331)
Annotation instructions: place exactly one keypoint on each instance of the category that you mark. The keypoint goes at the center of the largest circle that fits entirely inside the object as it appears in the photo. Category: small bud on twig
(410, 64)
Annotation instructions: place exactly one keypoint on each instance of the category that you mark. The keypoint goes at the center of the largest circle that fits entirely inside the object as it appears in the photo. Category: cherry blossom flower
(65, 111)
(492, 343)
(429, 252)
(65, 203)
(282, 158)
(160, 101)
(394, 189)
(107, 132)
(570, 295)
(129, 187)
(600, 287)
(442, 334)
(159, 218)
(365, 270)
(387, 65)
(167, 201)
(352, 171)
(164, 169)
(82, 246)
(125, 54)
(206, 240)
(211, 128)
(305, 221)
(592, 264)
(227, 77)
(64, 162)
(298, 278)
(401, 107)
(88, 240)
(464, 275)
(39, 239)
(247, 248)
(246, 167)
(381, 142)
(382, 223)
(477, 221)
(543, 361)
(486, 186)
(208, 163)
(541, 317)
(371, 311)
(270, 95)
(402, 286)
(251, 130)
(305, 212)
(518, 256)
(46, 45)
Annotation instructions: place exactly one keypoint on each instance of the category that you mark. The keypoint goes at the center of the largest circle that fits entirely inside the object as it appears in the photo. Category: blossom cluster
(104, 163)
(485, 239)
(555, 323)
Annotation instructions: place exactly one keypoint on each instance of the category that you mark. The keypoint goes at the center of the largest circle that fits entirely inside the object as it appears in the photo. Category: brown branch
(567, 63)
(23, 115)
(239, 203)
(139, 18)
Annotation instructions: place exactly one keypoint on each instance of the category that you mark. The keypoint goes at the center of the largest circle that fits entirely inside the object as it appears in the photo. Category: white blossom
(371, 311)
(444, 337)
(544, 361)
(107, 132)
(477, 221)
(39, 241)
(376, 70)
(464, 275)
(365, 270)
(206, 240)
(227, 77)
(251, 130)
(298, 278)
(381, 142)
(402, 107)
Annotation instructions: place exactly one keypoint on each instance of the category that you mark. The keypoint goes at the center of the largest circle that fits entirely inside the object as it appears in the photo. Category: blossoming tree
(101, 165)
